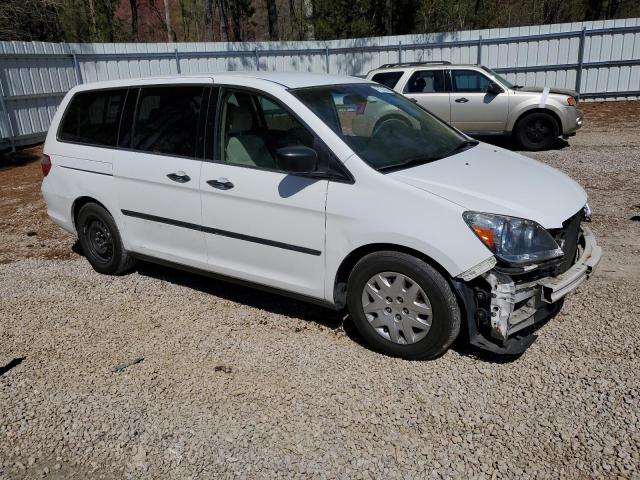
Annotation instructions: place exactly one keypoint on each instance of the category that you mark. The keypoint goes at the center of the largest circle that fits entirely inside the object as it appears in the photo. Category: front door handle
(179, 177)
(462, 100)
(221, 183)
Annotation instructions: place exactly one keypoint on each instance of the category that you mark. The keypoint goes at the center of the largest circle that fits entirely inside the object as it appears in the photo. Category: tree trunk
(167, 19)
(224, 20)
(92, 19)
(272, 14)
(134, 18)
(388, 17)
(235, 21)
(208, 20)
(307, 6)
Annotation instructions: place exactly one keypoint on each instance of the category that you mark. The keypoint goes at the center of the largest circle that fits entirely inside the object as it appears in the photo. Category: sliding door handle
(461, 100)
(179, 177)
(221, 183)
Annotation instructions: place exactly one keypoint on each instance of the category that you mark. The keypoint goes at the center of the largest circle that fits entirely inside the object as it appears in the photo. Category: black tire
(100, 241)
(445, 321)
(537, 131)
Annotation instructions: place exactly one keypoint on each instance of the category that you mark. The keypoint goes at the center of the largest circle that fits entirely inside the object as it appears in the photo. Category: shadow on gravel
(510, 144)
(251, 297)
(12, 364)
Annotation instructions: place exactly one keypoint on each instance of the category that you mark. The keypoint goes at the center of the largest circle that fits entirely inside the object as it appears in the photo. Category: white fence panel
(599, 59)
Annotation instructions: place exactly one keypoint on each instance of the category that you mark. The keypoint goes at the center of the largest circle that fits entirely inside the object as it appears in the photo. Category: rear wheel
(537, 131)
(402, 306)
(100, 240)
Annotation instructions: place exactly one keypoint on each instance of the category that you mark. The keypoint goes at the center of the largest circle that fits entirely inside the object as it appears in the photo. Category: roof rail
(414, 64)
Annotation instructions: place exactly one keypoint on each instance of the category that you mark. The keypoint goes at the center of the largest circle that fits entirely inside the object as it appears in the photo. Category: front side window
(93, 117)
(469, 81)
(253, 127)
(388, 79)
(166, 120)
(426, 81)
(385, 129)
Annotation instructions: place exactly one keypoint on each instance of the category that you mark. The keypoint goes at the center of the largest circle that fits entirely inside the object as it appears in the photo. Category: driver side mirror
(297, 159)
(494, 88)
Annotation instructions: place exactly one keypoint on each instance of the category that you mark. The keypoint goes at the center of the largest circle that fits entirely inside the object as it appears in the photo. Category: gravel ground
(239, 383)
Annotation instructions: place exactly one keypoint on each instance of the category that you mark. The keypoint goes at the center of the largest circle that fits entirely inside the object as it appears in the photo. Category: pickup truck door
(473, 109)
(428, 89)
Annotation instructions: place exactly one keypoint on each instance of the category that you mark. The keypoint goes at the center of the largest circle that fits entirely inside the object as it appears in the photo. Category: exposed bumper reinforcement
(514, 307)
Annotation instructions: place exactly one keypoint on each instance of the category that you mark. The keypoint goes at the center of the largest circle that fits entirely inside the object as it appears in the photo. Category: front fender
(393, 213)
(521, 108)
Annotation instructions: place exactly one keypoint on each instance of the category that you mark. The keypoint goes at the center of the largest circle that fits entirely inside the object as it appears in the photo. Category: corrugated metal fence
(601, 60)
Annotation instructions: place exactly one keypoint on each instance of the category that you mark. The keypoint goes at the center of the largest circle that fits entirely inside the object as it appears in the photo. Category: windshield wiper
(516, 87)
(412, 162)
(465, 144)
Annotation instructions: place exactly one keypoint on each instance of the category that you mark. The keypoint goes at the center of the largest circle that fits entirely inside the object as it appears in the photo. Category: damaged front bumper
(501, 309)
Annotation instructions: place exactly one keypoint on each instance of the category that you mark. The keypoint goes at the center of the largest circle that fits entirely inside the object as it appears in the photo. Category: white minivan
(422, 233)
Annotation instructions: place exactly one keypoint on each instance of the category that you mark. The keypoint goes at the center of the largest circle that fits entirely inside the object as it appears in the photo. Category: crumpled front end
(504, 305)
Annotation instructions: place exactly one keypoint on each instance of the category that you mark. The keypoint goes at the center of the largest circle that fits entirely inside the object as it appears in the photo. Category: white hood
(494, 180)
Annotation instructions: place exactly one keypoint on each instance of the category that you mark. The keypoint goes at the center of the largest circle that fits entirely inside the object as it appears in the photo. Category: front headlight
(514, 240)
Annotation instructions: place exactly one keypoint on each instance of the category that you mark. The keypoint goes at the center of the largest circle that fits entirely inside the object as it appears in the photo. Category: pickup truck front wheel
(537, 131)
(402, 306)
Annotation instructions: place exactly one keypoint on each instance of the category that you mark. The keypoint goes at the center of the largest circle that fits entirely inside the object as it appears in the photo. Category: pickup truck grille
(567, 237)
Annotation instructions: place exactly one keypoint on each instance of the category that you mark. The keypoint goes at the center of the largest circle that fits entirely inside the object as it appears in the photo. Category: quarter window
(388, 79)
(426, 81)
(93, 117)
(254, 127)
(469, 81)
(166, 120)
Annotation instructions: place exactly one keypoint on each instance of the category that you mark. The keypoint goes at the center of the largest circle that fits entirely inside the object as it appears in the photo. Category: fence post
(400, 52)
(583, 37)
(175, 51)
(76, 66)
(6, 113)
(326, 57)
(480, 50)
(257, 59)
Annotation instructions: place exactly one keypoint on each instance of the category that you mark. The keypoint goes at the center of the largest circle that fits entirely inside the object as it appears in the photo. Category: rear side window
(426, 81)
(469, 81)
(166, 120)
(388, 79)
(93, 117)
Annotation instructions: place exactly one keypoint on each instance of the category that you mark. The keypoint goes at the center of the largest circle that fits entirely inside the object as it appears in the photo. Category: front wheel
(100, 240)
(537, 131)
(402, 306)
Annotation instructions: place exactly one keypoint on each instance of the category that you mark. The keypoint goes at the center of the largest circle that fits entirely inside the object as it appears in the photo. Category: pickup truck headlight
(514, 240)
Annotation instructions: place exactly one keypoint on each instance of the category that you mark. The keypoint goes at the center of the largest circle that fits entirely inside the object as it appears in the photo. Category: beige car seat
(244, 148)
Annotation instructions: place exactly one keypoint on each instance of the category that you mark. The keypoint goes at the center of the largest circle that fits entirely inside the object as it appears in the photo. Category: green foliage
(242, 20)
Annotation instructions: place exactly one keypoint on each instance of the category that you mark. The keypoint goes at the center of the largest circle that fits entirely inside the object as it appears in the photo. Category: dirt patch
(26, 228)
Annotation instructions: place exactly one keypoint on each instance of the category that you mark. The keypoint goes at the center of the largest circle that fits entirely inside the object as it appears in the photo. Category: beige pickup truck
(478, 101)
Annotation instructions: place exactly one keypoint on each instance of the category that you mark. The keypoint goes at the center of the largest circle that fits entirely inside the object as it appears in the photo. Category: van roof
(286, 79)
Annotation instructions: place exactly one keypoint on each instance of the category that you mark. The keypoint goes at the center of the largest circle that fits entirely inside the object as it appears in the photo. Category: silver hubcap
(396, 307)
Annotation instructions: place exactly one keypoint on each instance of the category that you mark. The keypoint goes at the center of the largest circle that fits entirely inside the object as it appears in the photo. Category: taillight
(45, 163)
(571, 101)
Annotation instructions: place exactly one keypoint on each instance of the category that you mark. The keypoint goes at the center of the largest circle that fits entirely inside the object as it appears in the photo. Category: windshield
(385, 129)
(503, 80)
